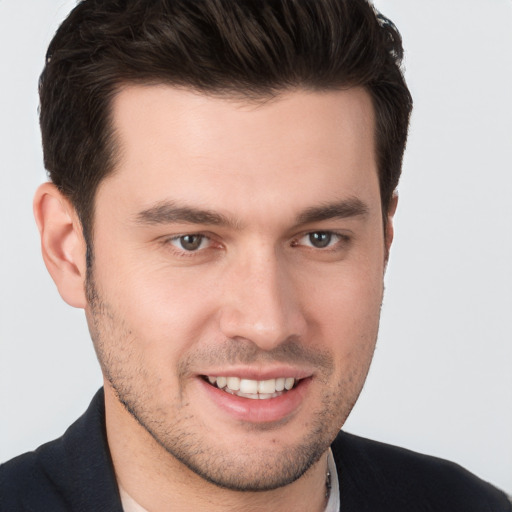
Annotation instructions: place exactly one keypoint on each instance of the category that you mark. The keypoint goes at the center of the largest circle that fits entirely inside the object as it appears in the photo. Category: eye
(190, 243)
(320, 239)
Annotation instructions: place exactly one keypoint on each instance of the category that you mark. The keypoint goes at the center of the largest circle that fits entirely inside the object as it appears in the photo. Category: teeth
(267, 386)
(252, 396)
(288, 383)
(248, 386)
(280, 384)
(233, 383)
(254, 389)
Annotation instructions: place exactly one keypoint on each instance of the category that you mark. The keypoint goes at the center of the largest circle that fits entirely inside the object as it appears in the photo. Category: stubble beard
(177, 433)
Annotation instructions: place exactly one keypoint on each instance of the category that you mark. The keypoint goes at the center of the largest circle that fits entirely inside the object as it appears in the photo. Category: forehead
(213, 150)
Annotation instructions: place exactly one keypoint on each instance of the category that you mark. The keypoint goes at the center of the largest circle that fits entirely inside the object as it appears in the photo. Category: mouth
(269, 400)
(253, 389)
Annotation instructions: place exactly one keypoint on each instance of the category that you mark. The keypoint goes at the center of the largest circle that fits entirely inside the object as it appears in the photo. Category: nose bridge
(260, 304)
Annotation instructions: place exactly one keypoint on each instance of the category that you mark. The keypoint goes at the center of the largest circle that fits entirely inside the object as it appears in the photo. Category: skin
(256, 298)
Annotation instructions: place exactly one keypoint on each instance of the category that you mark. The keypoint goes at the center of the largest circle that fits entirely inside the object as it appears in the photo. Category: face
(236, 285)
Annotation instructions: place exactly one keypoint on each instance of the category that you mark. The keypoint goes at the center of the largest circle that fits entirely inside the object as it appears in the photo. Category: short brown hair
(254, 49)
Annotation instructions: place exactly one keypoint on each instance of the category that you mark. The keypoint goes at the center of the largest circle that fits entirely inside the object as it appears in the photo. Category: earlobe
(62, 243)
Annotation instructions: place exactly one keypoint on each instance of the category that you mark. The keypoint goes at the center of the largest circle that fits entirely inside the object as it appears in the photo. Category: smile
(253, 389)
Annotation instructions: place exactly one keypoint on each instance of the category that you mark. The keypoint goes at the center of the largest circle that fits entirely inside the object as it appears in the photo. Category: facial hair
(178, 430)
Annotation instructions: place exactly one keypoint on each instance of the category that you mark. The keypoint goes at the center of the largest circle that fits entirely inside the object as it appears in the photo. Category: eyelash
(342, 238)
(339, 238)
(181, 251)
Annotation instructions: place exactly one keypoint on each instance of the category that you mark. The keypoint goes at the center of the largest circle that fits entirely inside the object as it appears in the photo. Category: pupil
(191, 242)
(320, 239)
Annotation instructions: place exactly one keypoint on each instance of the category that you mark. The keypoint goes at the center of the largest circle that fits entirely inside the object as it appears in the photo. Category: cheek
(348, 300)
(345, 316)
(167, 313)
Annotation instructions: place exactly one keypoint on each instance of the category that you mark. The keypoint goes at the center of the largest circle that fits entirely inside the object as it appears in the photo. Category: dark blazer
(75, 473)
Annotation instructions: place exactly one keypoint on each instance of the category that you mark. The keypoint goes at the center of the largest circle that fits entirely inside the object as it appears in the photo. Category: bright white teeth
(247, 388)
(252, 396)
(280, 384)
(267, 386)
(233, 383)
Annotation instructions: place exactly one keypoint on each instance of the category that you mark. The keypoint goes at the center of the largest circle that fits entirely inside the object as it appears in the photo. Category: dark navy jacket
(75, 473)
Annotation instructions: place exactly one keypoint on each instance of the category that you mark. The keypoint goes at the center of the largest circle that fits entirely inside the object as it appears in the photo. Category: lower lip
(258, 411)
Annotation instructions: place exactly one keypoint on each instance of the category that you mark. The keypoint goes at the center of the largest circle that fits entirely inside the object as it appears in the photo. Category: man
(221, 206)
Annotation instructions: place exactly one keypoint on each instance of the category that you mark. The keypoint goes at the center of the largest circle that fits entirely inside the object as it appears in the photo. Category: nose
(260, 302)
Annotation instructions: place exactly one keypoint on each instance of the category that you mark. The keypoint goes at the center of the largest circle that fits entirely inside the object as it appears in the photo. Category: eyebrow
(168, 212)
(351, 207)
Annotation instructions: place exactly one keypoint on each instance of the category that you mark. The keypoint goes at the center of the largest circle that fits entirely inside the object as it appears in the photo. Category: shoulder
(72, 473)
(29, 480)
(400, 479)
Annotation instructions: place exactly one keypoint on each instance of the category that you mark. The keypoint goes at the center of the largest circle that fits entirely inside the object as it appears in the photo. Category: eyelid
(340, 236)
(179, 237)
(167, 242)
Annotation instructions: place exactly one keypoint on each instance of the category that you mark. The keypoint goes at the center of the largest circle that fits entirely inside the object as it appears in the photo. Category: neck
(158, 481)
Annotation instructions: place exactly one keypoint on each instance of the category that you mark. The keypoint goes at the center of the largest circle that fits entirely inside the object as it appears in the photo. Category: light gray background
(441, 380)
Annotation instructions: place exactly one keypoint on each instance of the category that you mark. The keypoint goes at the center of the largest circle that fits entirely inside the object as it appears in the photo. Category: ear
(389, 227)
(62, 243)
